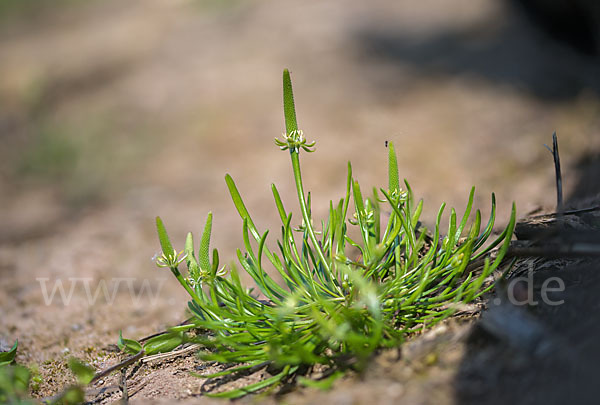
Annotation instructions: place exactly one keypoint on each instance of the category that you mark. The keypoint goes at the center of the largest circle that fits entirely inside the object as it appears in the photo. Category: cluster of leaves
(14, 380)
(329, 309)
(14, 385)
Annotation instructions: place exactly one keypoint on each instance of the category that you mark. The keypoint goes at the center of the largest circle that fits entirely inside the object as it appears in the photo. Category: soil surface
(113, 113)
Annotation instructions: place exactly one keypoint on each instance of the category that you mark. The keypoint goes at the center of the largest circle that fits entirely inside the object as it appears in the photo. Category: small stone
(395, 390)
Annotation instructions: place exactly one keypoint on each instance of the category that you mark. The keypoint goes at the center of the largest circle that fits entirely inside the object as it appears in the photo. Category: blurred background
(114, 112)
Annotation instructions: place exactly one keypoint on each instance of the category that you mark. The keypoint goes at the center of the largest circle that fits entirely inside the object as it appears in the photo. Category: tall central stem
(294, 153)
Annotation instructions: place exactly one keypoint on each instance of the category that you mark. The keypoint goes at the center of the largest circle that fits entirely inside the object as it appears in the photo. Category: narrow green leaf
(16, 379)
(226, 372)
(82, 371)
(182, 328)
(9, 356)
(128, 345)
(507, 233)
(358, 200)
(279, 203)
(349, 181)
(417, 214)
(215, 262)
(488, 228)
(322, 384)
(261, 246)
(249, 389)
(163, 343)
(240, 206)
(465, 217)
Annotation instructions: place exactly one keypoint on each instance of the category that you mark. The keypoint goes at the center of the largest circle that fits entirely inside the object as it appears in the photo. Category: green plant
(8, 357)
(36, 378)
(16, 380)
(329, 309)
(14, 383)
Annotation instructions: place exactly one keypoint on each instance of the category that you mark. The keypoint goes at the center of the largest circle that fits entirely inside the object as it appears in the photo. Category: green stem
(185, 285)
(294, 153)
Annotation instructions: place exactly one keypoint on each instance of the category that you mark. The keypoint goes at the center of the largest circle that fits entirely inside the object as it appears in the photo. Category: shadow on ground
(557, 366)
(508, 51)
(542, 346)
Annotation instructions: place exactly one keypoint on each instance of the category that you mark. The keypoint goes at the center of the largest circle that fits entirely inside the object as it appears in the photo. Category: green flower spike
(293, 138)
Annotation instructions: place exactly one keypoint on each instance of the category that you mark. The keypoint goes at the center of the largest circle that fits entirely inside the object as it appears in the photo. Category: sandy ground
(113, 114)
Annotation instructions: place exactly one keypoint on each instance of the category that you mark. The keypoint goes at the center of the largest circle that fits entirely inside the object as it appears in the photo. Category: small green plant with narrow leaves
(16, 381)
(328, 309)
